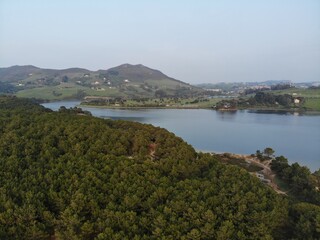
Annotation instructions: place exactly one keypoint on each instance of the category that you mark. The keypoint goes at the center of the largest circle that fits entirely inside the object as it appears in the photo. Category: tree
(160, 93)
(65, 79)
(305, 221)
(268, 151)
(259, 154)
(67, 176)
(264, 98)
(284, 100)
(279, 164)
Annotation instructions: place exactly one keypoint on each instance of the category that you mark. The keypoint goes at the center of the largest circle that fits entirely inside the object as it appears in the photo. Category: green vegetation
(304, 219)
(311, 96)
(296, 180)
(70, 91)
(241, 162)
(300, 92)
(70, 176)
(289, 99)
(312, 104)
(6, 88)
(50, 92)
(283, 186)
(265, 155)
(191, 102)
(303, 185)
(127, 81)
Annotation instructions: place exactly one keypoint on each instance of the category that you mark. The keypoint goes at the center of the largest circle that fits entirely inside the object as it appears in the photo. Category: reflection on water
(227, 115)
(279, 112)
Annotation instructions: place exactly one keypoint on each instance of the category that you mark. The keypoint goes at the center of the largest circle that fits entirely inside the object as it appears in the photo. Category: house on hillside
(296, 101)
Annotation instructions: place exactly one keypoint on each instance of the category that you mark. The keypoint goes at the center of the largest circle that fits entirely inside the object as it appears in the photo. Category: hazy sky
(193, 41)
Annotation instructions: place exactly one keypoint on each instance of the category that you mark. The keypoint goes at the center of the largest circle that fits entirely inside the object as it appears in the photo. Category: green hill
(127, 81)
(136, 73)
(70, 176)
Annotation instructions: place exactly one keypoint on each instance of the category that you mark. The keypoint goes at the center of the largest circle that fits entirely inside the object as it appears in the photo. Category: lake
(294, 136)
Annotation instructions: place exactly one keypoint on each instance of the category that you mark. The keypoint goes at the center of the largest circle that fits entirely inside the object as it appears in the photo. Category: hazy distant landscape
(137, 86)
(130, 81)
(78, 174)
(178, 120)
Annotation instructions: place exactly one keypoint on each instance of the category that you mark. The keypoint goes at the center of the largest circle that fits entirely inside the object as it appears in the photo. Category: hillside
(136, 73)
(70, 176)
(127, 81)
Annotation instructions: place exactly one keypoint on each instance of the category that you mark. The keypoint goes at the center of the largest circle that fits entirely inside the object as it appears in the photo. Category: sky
(203, 41)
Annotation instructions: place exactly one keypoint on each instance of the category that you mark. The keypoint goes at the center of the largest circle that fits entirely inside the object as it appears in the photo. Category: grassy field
(299, 92)
(104, 93)
(164, 83)
(169, 103)
(311, 97)
(71, 91)
(129, 90)
(64, 92)
(49, 93)
(312, 103)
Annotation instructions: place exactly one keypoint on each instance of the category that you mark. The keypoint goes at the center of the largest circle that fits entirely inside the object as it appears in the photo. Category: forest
(304, 185)
(68, 175)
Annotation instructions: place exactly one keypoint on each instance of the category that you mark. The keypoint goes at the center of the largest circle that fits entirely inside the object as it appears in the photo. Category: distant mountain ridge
(19, 73)
(126, 80)
(136, 72)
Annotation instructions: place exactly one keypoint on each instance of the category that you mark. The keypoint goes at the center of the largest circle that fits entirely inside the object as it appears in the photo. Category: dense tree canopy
(69, 176)
(7, 88)
(304, 185)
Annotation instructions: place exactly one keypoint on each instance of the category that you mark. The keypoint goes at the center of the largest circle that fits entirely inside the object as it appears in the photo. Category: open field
(312, 103)
(64, 92)
(299, 92)
(49, 93)
(160, 103)
(311, 98)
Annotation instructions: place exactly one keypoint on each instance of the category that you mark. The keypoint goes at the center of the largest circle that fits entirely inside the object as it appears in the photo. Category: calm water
(295, 137)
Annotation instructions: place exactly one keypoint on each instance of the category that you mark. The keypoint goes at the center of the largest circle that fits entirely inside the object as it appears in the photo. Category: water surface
(294, 136)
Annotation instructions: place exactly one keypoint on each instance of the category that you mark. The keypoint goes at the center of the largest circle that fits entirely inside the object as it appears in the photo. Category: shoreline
(141, 107)
(309, 112)
(247, 162)
(244, 156)
(253, 110)
(122, 114)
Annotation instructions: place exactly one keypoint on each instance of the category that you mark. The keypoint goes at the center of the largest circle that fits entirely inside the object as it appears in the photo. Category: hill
(70, 176)
(127, 81)
(136, 73)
